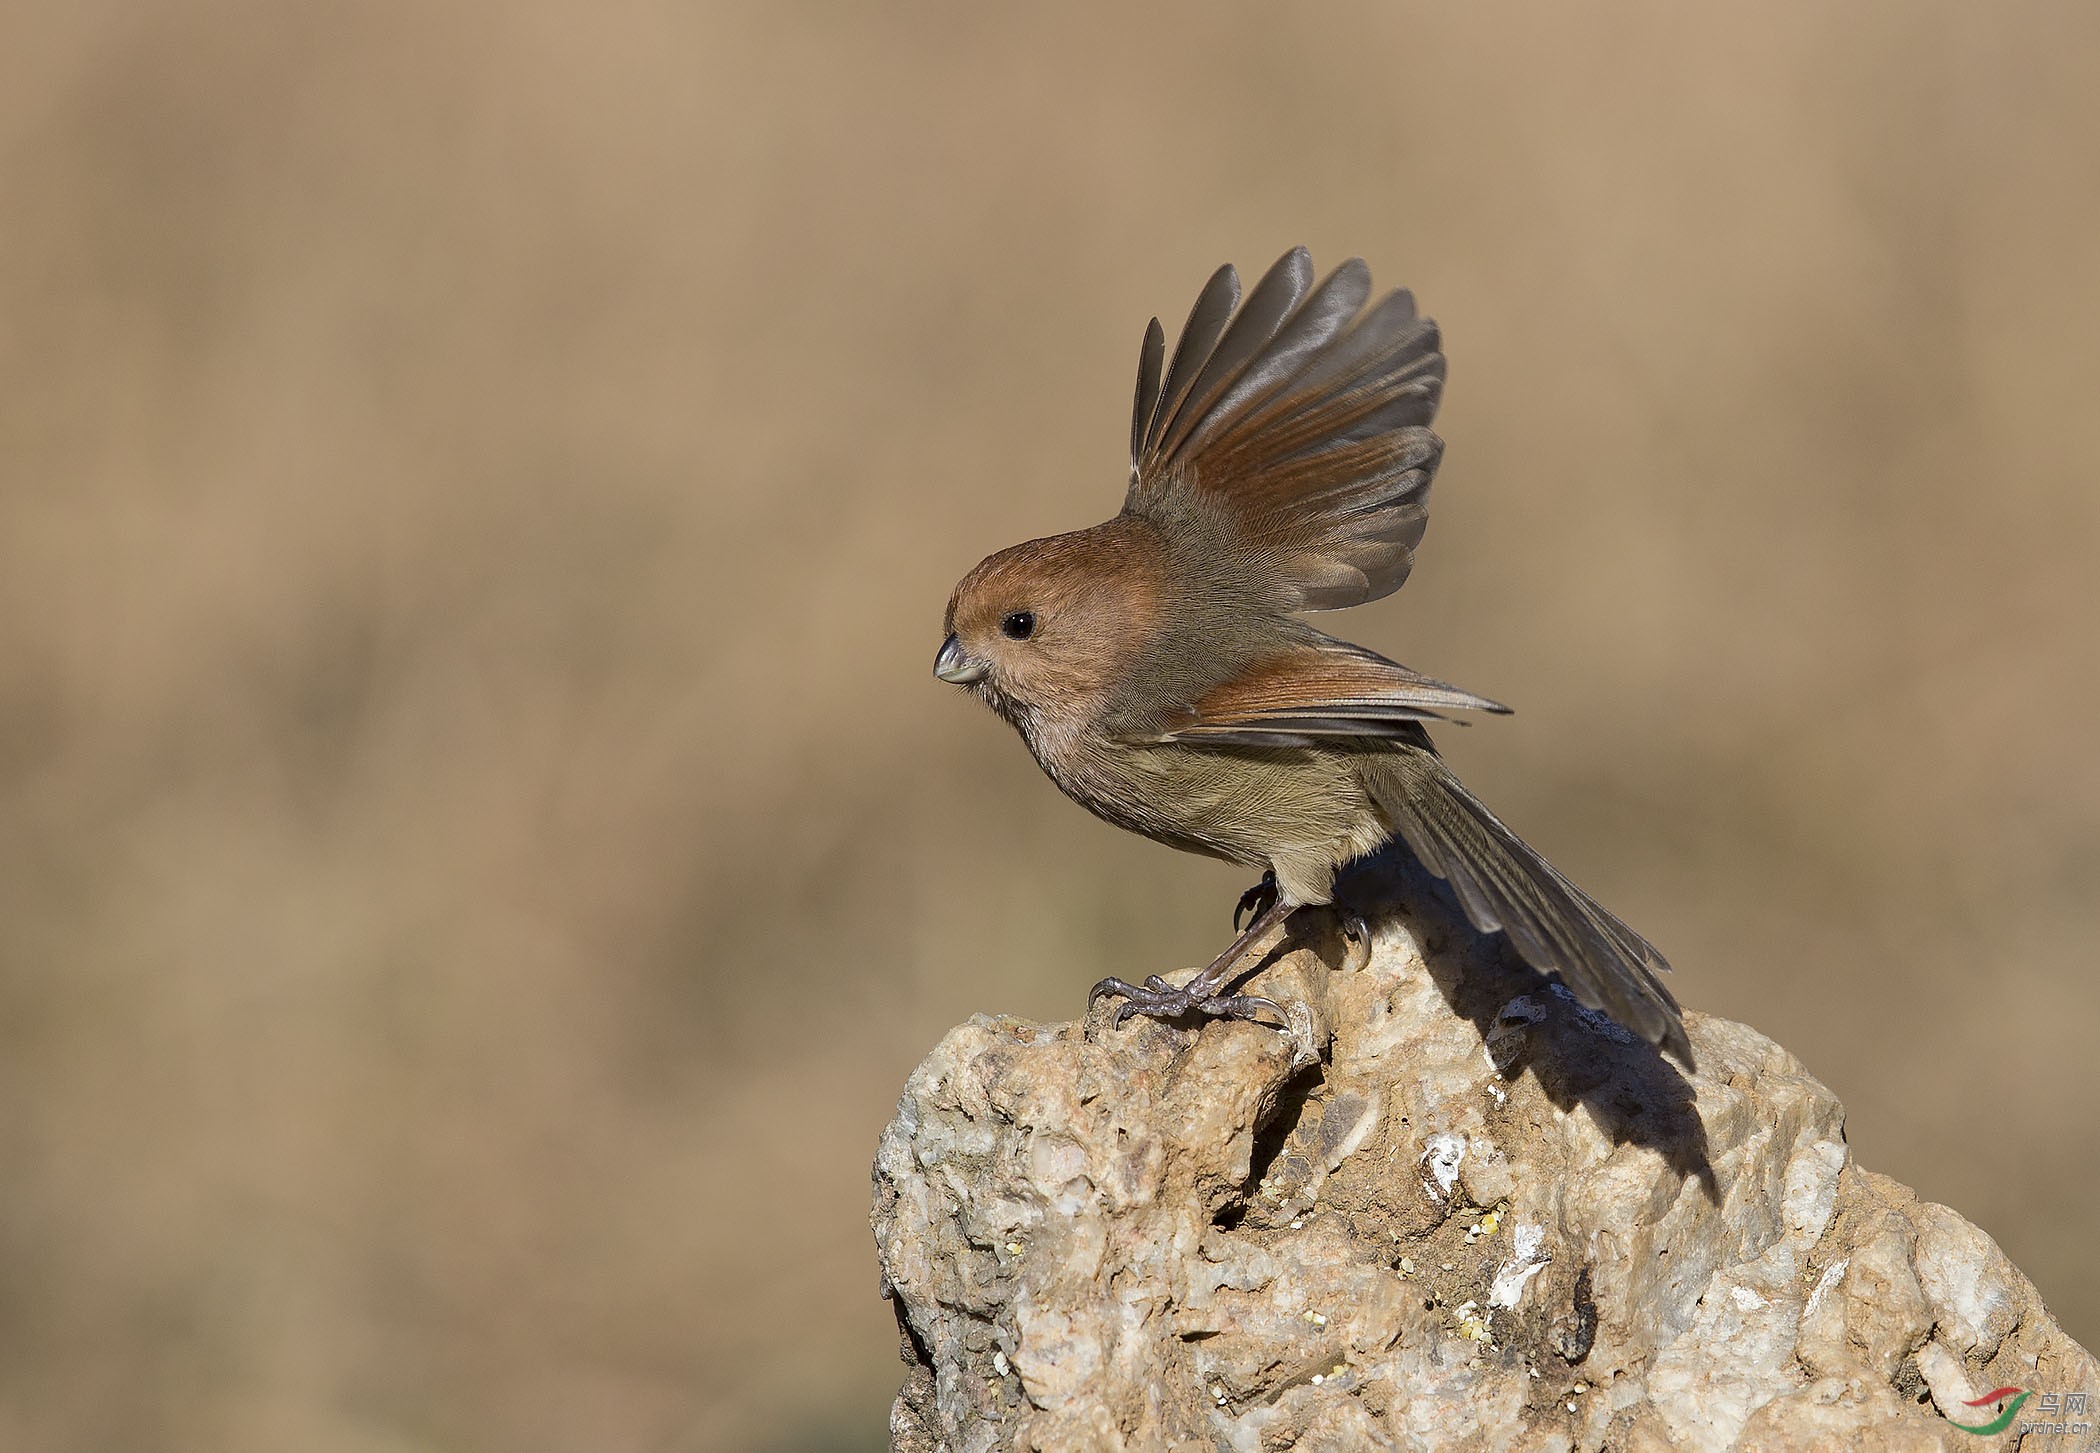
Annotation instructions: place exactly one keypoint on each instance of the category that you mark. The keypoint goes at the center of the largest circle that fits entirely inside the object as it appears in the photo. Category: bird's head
(1052, 627)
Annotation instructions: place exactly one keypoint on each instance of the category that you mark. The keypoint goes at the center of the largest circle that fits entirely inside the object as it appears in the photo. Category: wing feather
(1319, 690)
(1199, 336)
(1151, 355)
(1302, 420)
(1319, 319)
(1253, 328)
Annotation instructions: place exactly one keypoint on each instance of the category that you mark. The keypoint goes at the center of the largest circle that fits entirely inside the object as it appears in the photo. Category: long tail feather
(1505, 885)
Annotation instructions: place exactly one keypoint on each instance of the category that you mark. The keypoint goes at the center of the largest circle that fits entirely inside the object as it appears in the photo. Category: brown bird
(1155, 669)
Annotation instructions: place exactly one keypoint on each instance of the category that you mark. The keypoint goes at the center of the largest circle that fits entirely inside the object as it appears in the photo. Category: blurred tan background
(480, 847)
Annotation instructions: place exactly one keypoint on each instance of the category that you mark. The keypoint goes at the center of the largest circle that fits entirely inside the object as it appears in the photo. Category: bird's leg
(1158, 999)
(1256, 900)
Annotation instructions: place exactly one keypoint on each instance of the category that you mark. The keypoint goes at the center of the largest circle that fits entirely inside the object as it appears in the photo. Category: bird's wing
(1318, 692)
(1300, 420)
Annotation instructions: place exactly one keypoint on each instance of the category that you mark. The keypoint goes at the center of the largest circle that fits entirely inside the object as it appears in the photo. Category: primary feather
(1298, 424)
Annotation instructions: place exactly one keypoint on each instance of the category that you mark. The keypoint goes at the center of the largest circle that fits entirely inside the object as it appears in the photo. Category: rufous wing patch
(1304, 694)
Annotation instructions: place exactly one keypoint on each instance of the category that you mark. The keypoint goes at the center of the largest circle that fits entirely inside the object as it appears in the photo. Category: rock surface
(1454, 1210)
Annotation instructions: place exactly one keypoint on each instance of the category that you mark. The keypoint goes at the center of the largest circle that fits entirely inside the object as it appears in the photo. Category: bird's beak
(953, 665)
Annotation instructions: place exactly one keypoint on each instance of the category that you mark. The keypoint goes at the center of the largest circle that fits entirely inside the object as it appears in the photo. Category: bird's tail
(1504, 884)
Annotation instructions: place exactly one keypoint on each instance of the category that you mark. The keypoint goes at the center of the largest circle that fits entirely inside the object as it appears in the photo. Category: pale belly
(1300, 813)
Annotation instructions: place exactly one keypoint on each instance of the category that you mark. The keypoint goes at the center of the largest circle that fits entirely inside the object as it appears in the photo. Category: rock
(1455, 1209)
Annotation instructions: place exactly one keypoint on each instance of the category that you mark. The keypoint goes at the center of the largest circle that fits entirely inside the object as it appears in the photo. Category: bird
(1158, 670)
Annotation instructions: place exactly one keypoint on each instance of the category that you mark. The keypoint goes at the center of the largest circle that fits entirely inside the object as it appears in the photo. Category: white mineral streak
(1443, 1153)
(1526, 1262)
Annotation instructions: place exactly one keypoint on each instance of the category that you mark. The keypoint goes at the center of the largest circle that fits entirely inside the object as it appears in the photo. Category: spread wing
(1319, 692)
(1300, 419)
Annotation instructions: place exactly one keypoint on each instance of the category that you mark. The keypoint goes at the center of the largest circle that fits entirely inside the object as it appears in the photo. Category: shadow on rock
(1578, 1055)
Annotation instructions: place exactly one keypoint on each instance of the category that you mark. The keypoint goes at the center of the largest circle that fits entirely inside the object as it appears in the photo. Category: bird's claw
(1356, 938)
(1255, 901)
(1157, 999)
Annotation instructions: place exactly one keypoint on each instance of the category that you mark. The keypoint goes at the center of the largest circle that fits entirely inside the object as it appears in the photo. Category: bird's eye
(1019, 625)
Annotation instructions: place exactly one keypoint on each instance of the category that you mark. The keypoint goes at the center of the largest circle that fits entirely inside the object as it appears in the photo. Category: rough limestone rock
(1453, 1210)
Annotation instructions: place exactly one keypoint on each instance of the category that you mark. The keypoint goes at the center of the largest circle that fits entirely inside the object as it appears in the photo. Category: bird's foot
(1255, 901)
(1158, 999)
